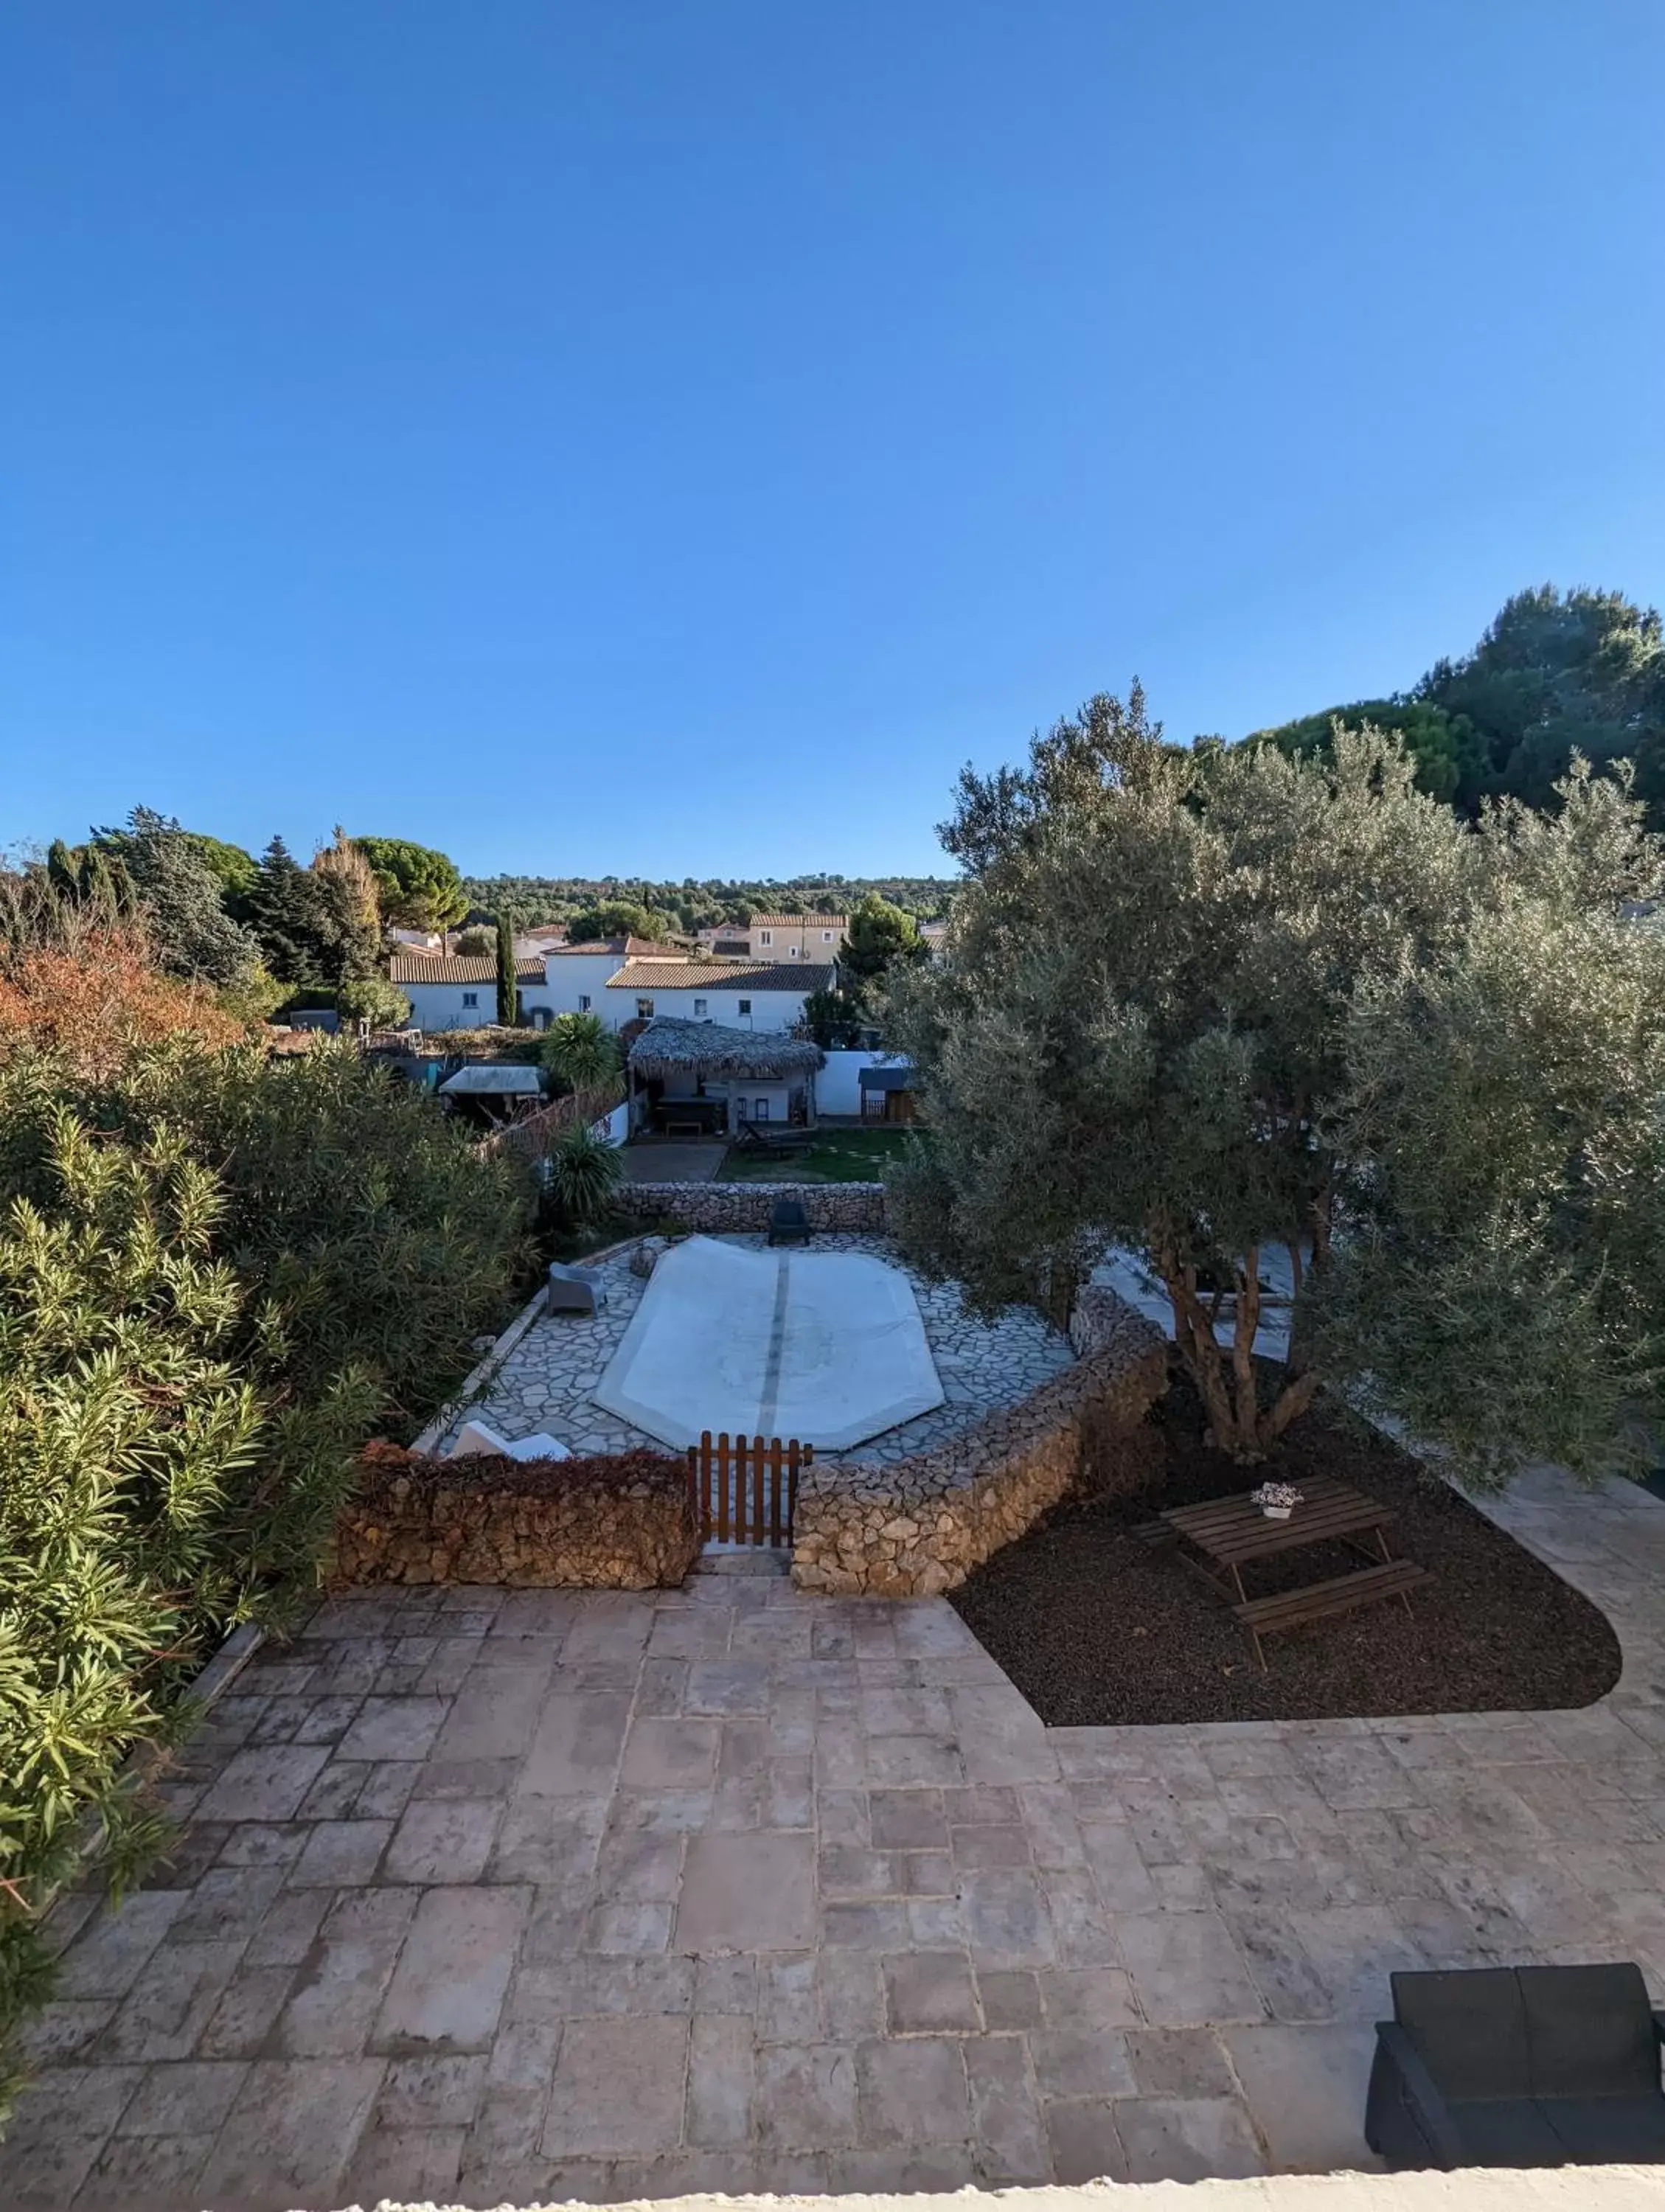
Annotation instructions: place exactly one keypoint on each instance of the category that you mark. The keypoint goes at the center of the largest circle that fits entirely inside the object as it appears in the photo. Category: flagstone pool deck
(489, 1896)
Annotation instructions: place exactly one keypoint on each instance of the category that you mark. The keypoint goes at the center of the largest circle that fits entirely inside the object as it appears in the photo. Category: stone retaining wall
(921, 1526)
(716, 1209)
(602, 1523)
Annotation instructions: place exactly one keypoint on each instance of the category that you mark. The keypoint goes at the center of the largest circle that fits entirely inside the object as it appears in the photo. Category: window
(471, 998)
(745, 1009)
(826, 937)
(792, 952)
(583, 1002)
(740, 1109)
(766, 936)
(644, 1010)
(699, 1010)
(759, 1109)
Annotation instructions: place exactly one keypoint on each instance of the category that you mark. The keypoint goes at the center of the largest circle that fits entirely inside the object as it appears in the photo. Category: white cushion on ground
(825, 1346)
(475, 1436)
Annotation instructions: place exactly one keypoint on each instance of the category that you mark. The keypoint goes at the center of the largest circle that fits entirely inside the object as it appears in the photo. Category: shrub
(373, 999)
(163, 1478)
(90, 1002)
(585, 1174)
(387, 1237)
(580, 1050)
(216, 1273)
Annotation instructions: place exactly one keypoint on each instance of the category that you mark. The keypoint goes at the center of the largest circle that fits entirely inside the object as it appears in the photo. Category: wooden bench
(1266, 1616)
(1157, 1534)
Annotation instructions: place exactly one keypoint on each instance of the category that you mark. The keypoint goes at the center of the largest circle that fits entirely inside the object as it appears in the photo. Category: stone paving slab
(489, 1896)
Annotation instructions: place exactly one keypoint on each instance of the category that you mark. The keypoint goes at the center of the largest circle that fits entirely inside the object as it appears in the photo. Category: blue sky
(671, 438)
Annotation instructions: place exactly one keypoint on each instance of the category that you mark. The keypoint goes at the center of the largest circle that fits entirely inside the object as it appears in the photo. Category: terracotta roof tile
(798, 976)
(458, 968)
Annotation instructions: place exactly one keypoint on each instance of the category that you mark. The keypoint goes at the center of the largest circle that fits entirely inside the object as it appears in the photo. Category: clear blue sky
(672, 435)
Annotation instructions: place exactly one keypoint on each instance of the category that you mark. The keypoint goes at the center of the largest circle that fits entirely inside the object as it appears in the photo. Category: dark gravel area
(1094, 1629)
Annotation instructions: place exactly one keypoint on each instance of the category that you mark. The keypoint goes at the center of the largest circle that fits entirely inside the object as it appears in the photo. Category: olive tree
(1502, 1279)
(1151, 1030)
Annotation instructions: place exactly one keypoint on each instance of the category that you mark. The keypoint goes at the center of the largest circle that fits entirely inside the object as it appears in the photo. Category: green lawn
(836, 1155)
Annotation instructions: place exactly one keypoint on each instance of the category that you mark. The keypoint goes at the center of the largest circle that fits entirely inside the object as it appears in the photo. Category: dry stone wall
(605, 1523)
(919, 1526)
(718, 1209)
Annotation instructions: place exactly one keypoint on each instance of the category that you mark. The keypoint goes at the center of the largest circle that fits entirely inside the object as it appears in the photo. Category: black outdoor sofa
(1518, 2066)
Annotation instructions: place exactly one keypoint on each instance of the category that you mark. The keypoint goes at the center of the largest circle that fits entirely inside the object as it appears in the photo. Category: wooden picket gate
(744, 1493)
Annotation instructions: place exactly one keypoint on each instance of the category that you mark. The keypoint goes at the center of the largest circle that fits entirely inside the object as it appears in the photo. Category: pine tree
(287, 916)
(508, 985)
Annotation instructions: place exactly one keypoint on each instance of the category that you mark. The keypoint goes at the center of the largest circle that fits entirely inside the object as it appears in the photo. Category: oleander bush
(217, 1274)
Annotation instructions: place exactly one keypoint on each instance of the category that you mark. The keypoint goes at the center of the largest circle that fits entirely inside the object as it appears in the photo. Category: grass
(836, 1155)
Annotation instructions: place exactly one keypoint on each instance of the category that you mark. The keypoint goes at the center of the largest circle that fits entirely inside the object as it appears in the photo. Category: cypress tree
(508, 986)
(61, 872)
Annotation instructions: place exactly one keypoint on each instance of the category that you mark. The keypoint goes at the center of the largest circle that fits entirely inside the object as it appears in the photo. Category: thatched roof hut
(712, 1051)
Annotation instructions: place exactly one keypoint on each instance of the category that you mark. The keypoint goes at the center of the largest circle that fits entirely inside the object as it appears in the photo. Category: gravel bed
(1097, 1630)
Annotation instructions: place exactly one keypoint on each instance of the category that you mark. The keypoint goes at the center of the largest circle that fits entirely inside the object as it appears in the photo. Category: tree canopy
(418, 887)
(182, 898)
(879, 937)
(1556, 673)
(1186, 1068)
(614, 917)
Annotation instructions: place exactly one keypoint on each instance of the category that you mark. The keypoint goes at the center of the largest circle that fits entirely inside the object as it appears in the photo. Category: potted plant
(1277, 1500)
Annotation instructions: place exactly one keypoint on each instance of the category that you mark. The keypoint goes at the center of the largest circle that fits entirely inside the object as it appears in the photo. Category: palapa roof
(668, 1046)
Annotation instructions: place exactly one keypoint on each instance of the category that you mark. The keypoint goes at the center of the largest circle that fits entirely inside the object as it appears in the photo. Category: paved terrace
(490, 1896)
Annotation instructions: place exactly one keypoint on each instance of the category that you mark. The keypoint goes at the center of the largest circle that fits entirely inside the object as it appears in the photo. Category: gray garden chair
(1518, 2066)
(789, 1224)
(574, 1290)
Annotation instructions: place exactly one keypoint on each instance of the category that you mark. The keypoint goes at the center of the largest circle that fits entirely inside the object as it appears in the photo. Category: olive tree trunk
(1224, 1375)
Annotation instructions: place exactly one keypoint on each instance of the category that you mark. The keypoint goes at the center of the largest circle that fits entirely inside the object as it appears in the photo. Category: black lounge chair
(789, 1224)
(1518, 2066)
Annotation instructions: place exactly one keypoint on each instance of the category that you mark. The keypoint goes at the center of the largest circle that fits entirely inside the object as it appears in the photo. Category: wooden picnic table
(1218, 1539)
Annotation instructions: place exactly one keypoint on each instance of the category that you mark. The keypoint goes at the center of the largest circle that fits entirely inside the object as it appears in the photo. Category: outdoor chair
(574, 1289)
(789, 1224)
(1518, 2066)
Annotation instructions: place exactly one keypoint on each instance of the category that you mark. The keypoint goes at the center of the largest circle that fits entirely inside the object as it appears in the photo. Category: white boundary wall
(838, 1087)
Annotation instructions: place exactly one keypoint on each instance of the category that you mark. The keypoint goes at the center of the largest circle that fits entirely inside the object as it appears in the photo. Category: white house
(621, 980)
(740, 994)
(459, 992)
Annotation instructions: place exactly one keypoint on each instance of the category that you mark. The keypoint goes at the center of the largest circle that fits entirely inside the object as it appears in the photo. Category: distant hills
(697, 903)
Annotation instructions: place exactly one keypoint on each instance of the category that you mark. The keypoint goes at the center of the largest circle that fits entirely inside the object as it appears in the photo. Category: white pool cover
(825, 1346)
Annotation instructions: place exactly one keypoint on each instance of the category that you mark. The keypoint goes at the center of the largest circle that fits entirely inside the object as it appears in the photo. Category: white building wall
(770, 1011)
(440, 1005)
(573, 977)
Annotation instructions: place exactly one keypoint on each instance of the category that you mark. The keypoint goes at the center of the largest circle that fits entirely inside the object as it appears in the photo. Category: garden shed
(704, 1079)
(887, 1094)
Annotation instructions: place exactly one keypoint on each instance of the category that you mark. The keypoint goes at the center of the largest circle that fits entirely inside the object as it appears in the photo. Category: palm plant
(585, 1174)
(579, 1050)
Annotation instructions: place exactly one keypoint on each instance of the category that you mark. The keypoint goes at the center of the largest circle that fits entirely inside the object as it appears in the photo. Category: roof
(798, 976)
(458, 968)
(715, 1049)
(501, 1082)
(885, 1078)
(622, 948)
(798, 921)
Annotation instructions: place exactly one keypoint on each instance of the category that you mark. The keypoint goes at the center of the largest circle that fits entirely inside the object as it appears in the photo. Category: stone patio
(489, 1896)
(546, 1382)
